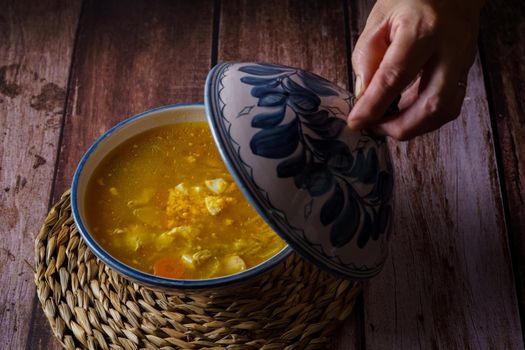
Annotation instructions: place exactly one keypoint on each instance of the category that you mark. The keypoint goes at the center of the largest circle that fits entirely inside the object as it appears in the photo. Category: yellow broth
(164, 203)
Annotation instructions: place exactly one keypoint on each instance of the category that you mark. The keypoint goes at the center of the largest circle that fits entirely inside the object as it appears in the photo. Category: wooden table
(71, 69)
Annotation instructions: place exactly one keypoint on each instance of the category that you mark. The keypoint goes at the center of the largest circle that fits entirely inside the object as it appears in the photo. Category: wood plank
(289, 32)
(286, 32)
(36, 42)
(127, 62)
(502, 51)
(448, 283)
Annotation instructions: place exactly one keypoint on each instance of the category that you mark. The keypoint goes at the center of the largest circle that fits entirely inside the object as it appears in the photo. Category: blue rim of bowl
(144, 277)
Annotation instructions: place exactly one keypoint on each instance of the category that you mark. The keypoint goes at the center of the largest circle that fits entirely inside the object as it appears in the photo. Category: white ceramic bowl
(115, 136)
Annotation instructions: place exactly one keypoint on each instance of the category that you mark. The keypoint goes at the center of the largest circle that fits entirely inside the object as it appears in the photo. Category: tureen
(325, 189)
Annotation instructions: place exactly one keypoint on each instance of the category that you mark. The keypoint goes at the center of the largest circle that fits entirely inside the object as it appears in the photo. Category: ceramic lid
(326, 190)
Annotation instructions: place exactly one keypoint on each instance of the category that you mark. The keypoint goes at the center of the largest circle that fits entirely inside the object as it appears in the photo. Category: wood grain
(448, 283)
(309, 35)
(503, 50)
(36, 42)
(127, 62)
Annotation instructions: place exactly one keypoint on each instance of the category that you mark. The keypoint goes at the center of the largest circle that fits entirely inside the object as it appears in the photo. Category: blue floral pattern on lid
(325, 189)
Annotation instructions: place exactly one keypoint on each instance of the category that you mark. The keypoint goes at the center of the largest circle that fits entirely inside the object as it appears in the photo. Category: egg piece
(217, 186)
(216, 204)
(182, 188)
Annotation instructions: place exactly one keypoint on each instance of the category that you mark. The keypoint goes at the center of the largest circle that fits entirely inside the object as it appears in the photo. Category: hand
(421, 49)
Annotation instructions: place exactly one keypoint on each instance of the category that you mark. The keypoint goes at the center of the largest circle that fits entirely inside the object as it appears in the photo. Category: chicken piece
(133, 237)
(216, 204)
(217, 186)
(233, 264)
(183, 236)
(201, 256)
(150, 216)
(144, 198)
(183, 230)
(187, 261)
(163, 241)
(240, 245)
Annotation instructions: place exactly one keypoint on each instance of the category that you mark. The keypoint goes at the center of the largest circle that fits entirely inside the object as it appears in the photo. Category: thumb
(367, 55)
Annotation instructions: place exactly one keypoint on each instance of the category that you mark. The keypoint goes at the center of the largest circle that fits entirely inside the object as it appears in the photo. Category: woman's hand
(421, 49)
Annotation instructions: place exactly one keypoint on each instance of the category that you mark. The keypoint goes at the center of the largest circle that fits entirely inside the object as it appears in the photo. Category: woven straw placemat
(294, 306)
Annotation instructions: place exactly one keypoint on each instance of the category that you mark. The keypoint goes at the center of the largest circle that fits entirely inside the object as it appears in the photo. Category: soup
(164, 203)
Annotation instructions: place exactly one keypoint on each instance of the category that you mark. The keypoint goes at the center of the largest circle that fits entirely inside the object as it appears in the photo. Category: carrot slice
(168, 267)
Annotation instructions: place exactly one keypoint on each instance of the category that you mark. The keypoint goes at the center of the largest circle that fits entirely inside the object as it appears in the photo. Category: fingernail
(358, 86)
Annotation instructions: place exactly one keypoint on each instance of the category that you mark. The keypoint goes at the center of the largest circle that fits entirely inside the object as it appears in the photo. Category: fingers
(410, 95)
(403, 60)
(367, 55)
(439, 101)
